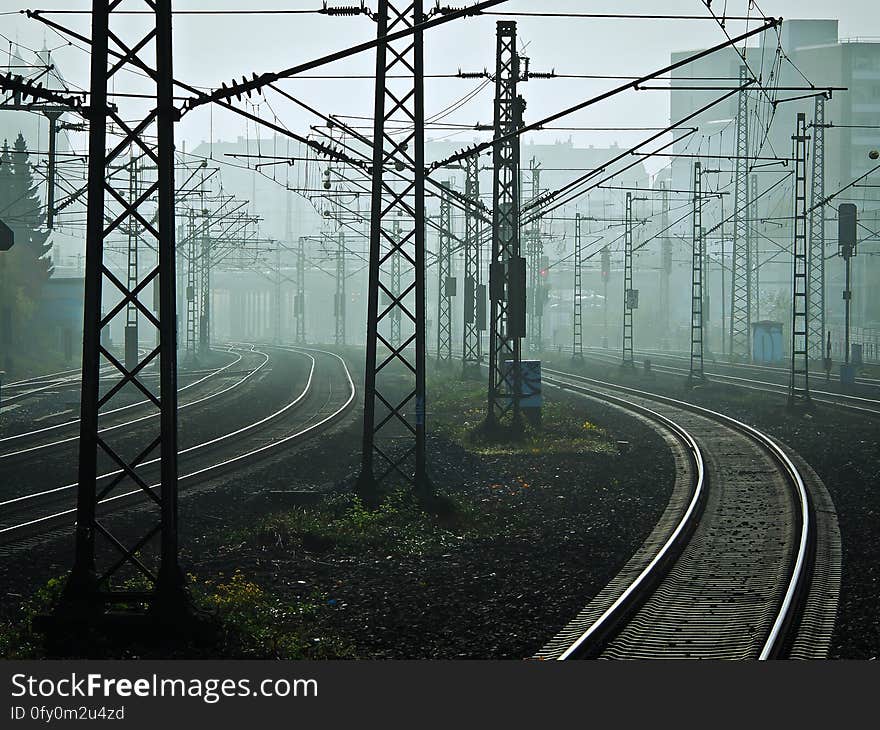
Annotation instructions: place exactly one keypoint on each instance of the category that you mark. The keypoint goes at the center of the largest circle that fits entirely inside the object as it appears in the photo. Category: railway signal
(7, 237)
(847, 243)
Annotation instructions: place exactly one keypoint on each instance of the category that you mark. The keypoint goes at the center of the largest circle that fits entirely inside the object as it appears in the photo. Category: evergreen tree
(27, 267)
(26, 217)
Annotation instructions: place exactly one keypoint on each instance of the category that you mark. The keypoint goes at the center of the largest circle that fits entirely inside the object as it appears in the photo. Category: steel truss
(131, 311)
(799, 385)
(577, 347)
(472, 352)
(816, 261)
(507, 268)
(395, 285)
(339, 309)
(535, 251)
(741, 278)
(204, 273)
(394, 382)
(697, 326)
(299, 302)
(103, 563)
(629, 294)
(446, 282)
(193, 259)
(665, 263)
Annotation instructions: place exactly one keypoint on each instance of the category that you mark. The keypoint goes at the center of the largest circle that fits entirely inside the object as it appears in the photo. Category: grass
(459, 413)
(400, 526)
(250, 623)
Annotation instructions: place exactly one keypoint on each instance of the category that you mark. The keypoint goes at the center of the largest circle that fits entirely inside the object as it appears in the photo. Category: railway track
(769, 370)
(327, 395)
(853, 403)
(27, 443)
(744, 563)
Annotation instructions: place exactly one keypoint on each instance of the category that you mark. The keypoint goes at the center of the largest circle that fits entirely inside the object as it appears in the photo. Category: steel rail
(112, 411)
(125, 424)
(798, 578)
(49, 521)
(651, 572)
(843, 401)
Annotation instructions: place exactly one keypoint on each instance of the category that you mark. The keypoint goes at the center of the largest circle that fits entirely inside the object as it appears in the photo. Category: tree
(27, 267)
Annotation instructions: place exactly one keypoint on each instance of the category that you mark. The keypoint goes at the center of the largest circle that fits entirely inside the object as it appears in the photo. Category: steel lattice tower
(697, 328)
(755, 248)
(193, 255)
(472, 352)
(535, 250)
(628, 291)
(395, 286)
(741, 278)
(799, 385)
(507, 268)
(445, 282)
(816, 261)
(205, 279)
(394, 416)
(299, 302)
(665, 261)
(577, 348)
(131, 311)
(276, 297)
(149, 124)
(340, 297)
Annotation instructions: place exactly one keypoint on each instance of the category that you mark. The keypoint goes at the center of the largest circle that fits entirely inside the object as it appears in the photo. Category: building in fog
(811, 52)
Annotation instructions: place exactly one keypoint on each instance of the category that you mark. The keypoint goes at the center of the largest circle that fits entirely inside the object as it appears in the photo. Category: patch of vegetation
(459, 411)
(250, 622)
(401, 525)
(17, 637)
(257, 624)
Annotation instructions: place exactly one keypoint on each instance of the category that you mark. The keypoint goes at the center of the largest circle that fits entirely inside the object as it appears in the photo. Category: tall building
(803, 53)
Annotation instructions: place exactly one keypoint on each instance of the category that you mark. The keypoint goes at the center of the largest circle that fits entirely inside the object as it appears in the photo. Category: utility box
(767, 342)
(856, 355)
(531, 395)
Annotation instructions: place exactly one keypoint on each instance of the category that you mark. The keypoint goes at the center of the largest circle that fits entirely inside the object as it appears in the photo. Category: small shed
(767, 342)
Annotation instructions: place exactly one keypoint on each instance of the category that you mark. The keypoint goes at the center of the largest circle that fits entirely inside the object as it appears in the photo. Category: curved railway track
(13, 447)
(853, 403)
(742, 367)
(328, 394)
(744, 563)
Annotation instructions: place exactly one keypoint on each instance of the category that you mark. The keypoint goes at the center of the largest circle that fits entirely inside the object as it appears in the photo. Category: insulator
(348, 10)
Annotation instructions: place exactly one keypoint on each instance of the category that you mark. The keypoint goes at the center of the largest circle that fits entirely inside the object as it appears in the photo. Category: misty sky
(213, 49)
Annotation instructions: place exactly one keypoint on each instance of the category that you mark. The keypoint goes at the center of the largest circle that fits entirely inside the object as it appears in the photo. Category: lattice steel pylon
(204, 299)
(741, 274)
(299, 301)
(816, 259)
(339, 309)
(131, 311)
(100, 570)
(277, 295)
(507, 268)
(395, 285)
(755, 251)
(665, 262)
(192, 289)
(577, 322)
(394, 382)
(697, 328)
(629, 294)
(535, 251)
(472, 351)
(799, 384)
(445, 282)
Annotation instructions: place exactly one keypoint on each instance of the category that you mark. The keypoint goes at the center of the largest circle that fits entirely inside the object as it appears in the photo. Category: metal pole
(628, 291)
(799, 386)
(399, 101)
